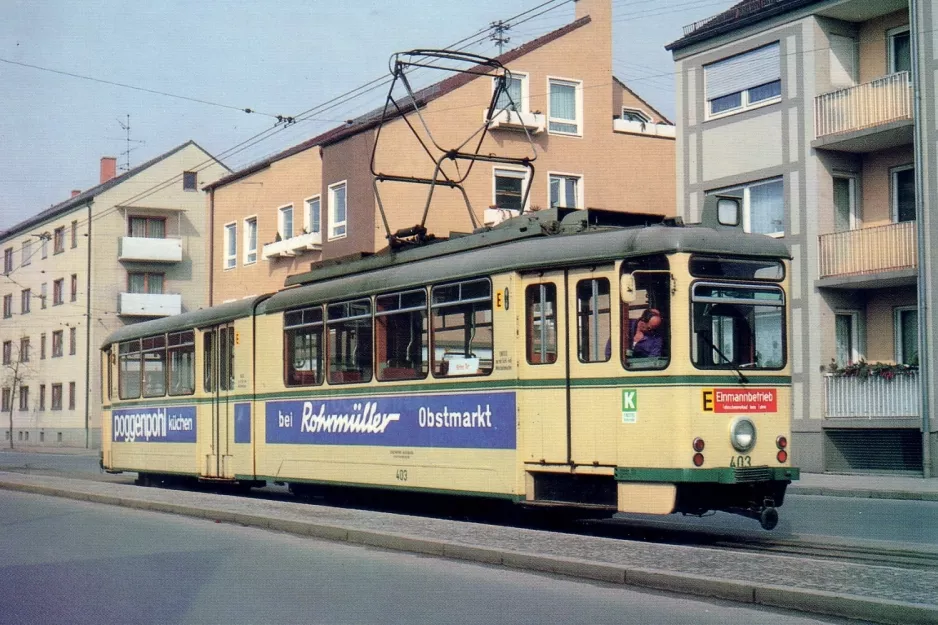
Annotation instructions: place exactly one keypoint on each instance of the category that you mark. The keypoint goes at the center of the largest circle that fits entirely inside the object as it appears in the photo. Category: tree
(14, 372)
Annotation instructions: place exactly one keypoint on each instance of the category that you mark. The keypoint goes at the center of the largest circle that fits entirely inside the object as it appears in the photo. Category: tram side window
(208, 361)
(303, 347)
(181, 359)
(593, 320)
(226, 357)
(350, 349)
(463, 341)
(541, 323)
(129, 372)
(646, 333)
(154, 366)
(401, 335)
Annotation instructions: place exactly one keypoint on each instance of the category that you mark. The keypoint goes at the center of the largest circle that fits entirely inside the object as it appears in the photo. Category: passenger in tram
(645, 336)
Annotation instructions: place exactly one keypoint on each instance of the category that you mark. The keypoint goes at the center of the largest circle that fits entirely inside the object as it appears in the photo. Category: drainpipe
(211, 245)
(88, 338)
(920, 136)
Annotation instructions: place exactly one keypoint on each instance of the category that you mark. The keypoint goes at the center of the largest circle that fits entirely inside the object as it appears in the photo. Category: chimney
(76, 192)
(108, 168)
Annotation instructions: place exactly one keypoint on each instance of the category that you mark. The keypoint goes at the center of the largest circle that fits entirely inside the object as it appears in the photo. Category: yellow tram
(510, 363)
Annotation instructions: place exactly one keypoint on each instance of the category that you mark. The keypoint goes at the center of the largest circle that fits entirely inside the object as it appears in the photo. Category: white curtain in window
(339, 197)
(740, 72)
(562, 101)
(513, 87)
(767, 207)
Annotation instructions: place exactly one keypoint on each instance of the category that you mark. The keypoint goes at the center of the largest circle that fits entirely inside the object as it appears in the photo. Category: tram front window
(738, 327)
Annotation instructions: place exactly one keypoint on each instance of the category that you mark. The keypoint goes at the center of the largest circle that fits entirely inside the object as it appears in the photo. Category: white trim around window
(743, 81)
(900, 314)
(892, 35)
(522, 100)
(848, 337)
(506, 195)
(338, 210)
(250, 240)
(285, 221)
(312, 214)
(231, 245)
(894, 193)
(630, 113)
(560, 121)
(567, 185)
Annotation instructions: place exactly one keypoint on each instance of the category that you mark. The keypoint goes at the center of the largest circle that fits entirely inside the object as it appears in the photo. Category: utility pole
(499, 29)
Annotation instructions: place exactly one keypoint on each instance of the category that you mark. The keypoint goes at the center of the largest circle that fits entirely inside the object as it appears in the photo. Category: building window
(42, 346)
(8, 260)
(845, 203)
(42, 397)
(58, 288)
(7, 352)
(24, 398)
(510, 185)
(74, 289)
(763, 206)
(71, 396)
(906, 323)
(57, 344)
(314, 215)
(45, 245)
(58, 240)
(900, 50)
(74, 234)
(25, 297)
(515, 96)
(902, 180)
(27, 252)
(250, 240)
(565, 107)
(72, 341)
(847, 337)
(565, 191)
(5, 404)
(142, 282)
(285, 221)
(743, 81)
(43, 295)
(147, 227)
(635, 115)
(231, 245)
(190, 181)
(337, 211)
(24, 349)
(56, 396)
(7, 306)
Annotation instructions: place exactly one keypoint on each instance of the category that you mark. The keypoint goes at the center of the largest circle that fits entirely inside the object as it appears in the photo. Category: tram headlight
(743, 435)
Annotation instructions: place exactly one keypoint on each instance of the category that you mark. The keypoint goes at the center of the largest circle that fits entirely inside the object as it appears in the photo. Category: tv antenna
(126, 153)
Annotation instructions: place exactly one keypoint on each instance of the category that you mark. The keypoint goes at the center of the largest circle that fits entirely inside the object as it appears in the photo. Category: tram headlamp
(743, 435)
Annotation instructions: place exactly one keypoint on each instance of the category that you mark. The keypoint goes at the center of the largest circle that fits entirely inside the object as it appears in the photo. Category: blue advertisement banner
(175, 424)
(465, 421)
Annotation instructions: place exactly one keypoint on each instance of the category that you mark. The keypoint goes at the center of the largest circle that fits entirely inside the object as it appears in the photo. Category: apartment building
(808, 107)
(597, 144)
(129, 249)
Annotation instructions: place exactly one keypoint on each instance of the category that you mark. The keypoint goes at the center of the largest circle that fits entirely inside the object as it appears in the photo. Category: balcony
(873, 116)
(869, 257)
(535, 123)
(149, 304)
(286, 248)
(145, 250)
(643, 128)
(872, 397)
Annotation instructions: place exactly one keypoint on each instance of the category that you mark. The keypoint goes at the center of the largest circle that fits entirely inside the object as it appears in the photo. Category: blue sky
(280, 58)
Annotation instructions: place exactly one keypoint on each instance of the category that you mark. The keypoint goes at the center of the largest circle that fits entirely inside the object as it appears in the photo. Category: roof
(86, 196)
(737, 16)
(422, 97)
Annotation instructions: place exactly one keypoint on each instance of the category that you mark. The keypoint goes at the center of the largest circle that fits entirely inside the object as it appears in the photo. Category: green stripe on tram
(394, 487)
(720, 475)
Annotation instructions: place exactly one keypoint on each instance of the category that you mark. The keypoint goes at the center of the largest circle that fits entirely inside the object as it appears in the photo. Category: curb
(801, 600)
(862, 493)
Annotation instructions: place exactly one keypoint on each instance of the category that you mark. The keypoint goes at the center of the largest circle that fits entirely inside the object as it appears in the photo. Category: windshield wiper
(742, 378)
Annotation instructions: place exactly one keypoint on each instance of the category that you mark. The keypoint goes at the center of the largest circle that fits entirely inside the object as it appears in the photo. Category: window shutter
(740, 72)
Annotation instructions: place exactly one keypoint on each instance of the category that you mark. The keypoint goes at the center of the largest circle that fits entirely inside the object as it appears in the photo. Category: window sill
(337, 237)
(561, 133)
(743, 109)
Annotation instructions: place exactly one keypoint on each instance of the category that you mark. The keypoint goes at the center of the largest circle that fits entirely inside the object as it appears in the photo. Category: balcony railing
(149, 304)
(643, 128)
(872, 397)
(869, 250)
(144, 249)
(293, 245)
(871, 104)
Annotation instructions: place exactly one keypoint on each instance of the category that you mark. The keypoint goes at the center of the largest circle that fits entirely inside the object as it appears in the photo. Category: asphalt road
(63, 561)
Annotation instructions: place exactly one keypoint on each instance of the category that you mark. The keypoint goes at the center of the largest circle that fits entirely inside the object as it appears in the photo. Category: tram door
(543, 363)
(218, 345)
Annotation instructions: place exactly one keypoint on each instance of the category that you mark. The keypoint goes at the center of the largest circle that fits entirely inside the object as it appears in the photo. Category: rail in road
(882, 594)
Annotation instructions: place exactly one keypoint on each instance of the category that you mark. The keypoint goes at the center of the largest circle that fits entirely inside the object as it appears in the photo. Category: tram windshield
(738, 326)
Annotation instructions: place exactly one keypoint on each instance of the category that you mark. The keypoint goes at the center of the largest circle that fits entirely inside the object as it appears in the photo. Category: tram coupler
(766, 514)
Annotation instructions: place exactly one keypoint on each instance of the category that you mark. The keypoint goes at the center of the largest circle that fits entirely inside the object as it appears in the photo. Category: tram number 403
(401, 475)
(740, 461)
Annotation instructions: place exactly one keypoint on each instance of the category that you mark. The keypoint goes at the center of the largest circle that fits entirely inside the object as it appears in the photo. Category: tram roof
(542, 240)
(201, 318)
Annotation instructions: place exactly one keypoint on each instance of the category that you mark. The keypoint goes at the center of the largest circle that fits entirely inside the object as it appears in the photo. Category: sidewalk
(866, 486)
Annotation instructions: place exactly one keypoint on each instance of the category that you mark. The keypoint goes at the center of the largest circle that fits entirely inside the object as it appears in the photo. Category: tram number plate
(401, 475)
(740, 461)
